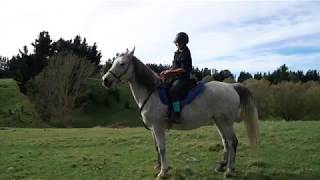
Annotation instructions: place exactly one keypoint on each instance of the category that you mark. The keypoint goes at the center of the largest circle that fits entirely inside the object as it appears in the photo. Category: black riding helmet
(181, 38)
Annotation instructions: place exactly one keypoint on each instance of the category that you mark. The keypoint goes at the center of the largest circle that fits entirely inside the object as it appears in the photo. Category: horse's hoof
(156, 167)
(221, 167)
(163, 174)
(229, 173)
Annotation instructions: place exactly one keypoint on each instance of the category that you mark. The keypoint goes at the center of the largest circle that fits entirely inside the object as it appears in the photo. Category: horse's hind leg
(230, 145)
(223, 163)
(230, 172)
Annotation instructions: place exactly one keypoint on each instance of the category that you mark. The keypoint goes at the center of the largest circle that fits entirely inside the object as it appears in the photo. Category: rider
(180, 72)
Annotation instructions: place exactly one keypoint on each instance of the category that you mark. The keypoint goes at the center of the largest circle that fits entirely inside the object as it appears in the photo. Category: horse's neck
(139, 92)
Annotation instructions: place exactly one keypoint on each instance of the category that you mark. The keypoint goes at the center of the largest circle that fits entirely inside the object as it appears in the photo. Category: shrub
(263, 94)
(59, 88)
(289, 98)
(286, 100)
(207, 78)
(311, 100)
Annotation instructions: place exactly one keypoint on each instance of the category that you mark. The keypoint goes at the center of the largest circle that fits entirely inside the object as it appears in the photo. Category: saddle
(195, 88)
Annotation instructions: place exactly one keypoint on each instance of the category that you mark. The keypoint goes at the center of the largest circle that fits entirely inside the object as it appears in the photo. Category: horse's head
(121, 69)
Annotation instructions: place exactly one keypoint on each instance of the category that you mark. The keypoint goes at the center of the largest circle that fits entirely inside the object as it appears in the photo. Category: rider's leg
(177, 91)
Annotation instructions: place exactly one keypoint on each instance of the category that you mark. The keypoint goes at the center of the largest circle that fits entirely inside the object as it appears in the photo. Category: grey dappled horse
(220, 103)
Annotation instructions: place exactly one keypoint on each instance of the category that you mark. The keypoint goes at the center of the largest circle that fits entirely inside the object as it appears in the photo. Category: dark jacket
(183, 60)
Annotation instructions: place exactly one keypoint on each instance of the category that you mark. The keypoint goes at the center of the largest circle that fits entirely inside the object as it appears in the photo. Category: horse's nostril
(107, 83)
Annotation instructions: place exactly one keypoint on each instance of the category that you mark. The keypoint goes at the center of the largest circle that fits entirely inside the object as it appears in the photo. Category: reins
(145, 101)
(142, 106)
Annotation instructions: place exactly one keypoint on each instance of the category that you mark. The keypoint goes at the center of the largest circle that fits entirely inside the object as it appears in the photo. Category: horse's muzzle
(107, 83)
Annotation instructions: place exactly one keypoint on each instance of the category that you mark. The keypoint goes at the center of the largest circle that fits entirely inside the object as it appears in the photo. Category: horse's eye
(122, 64)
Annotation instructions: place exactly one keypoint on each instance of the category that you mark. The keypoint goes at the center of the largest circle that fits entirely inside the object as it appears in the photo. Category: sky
(252, 36)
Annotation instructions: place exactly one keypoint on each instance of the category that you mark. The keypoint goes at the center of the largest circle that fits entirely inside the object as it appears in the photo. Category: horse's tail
(249, 113)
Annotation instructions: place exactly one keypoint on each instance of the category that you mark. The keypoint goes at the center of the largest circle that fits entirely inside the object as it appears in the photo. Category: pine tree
(244, 76)
(43, 49)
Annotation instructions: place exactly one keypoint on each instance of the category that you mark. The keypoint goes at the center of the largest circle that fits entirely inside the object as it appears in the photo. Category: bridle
(118, 77)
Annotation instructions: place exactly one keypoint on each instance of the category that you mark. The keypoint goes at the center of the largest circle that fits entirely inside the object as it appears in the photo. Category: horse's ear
(127, 51)
(132, 51)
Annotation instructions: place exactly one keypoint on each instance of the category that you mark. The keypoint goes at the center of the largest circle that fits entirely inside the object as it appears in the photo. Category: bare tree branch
(58, 87)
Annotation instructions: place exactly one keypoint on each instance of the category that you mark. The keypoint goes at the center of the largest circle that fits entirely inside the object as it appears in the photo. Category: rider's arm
(171, 72)
(174, 72)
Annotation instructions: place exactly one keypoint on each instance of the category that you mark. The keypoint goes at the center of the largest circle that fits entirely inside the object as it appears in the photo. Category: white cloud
(216, 28)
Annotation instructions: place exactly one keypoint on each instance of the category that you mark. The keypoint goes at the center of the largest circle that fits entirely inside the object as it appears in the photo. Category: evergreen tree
(26, 66)
(283, 74)
(22, 66)
(43, 49)
(222, 75)
(197, 73)
(258, 76)
(244, 76)
(206, 72)
(81, 48)
(158, 68)
(4, 67)
(300, 75)
(311, 75)
(4, 63)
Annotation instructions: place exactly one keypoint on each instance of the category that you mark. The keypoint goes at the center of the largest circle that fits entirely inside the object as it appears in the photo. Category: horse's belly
(192, 122)
(184, 126)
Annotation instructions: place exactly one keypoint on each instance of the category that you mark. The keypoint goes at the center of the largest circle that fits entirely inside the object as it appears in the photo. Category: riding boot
(175, 117)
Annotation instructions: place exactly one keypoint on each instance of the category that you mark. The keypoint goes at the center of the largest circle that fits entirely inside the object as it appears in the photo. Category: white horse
(219, 103)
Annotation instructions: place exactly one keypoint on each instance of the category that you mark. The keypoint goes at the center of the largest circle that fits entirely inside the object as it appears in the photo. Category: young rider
(180, 72)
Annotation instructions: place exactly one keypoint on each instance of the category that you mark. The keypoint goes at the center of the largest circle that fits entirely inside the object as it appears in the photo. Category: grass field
(286, 151)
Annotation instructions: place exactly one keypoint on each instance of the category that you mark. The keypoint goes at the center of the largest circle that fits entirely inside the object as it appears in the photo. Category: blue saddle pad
(193, 93)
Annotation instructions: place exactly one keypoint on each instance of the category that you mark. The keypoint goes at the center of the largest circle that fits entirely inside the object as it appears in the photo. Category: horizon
(238, 36)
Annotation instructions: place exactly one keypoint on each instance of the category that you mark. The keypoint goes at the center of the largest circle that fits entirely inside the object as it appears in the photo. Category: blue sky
(250, 36)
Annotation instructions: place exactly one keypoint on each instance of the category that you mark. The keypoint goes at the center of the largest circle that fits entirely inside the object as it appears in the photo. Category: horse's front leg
(159, 134)
(158, 165)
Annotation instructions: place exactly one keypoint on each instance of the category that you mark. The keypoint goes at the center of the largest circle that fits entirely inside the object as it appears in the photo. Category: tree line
(54, 75)
(279, 75)
(26, 65)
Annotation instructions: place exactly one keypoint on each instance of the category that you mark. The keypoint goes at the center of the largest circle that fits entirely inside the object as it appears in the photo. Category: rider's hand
(164, 75)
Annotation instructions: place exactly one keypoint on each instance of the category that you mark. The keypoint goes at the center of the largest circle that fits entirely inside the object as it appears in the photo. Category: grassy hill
(15, 108)
(104, 108)
(286, 151)
(115, 107)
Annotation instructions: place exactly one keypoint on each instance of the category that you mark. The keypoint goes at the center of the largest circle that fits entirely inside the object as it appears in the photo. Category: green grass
(15, 108)
(287, 150)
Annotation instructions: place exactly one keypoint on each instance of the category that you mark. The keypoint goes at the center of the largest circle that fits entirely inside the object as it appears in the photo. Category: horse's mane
(144, 75)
